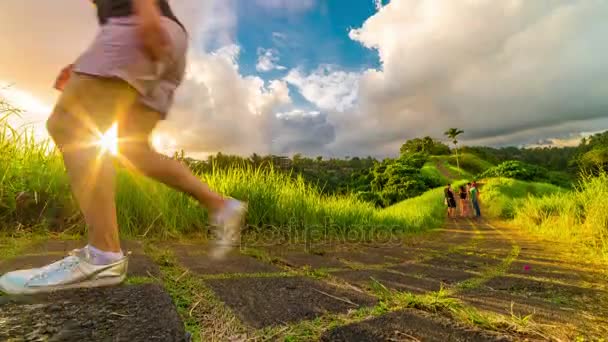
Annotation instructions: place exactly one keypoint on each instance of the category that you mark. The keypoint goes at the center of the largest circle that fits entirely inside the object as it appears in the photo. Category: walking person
(464, 201)
(128, 75)
(474, 191)
(450, 199)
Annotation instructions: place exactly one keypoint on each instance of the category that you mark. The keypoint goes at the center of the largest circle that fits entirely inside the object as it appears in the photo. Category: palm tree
(453, 134)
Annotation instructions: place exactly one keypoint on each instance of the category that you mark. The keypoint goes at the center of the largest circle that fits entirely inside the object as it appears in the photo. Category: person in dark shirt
(127, 76)
(450, 200)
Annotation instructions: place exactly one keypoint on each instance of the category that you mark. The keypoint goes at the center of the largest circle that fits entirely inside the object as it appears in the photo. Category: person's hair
(462, 189)
(449, 184)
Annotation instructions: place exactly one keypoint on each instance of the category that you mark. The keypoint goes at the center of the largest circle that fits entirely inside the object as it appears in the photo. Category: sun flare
(108, 141)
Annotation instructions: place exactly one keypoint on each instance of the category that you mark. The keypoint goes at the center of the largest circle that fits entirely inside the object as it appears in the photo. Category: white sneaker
(74, 271)
(228, 222)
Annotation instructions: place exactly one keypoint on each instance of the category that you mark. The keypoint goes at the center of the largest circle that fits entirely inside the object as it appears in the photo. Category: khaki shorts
(90, 105)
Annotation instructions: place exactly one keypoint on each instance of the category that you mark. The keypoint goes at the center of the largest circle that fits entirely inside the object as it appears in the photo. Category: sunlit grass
(579, 216)
(501, 197)
(277, 201)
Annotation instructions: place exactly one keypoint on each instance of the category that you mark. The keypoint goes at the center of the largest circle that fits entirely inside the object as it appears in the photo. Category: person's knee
(58, 126)
(137, 154)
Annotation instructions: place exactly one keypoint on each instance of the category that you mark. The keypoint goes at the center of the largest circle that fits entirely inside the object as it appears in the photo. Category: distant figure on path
(464, 201)
(127, 75)
(474, 191)
(450, 200)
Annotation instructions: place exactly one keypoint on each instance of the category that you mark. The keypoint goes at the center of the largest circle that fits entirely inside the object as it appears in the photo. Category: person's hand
(63, 77)
(152, 35)
(154, 39)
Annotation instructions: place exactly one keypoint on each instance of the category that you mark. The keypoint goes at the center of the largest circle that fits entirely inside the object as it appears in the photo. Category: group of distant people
(468, 197)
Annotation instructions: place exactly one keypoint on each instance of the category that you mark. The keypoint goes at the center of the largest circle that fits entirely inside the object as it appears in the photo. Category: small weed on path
(204, 316)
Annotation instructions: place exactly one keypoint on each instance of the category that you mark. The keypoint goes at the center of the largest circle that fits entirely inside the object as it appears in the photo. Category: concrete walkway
(471, 281)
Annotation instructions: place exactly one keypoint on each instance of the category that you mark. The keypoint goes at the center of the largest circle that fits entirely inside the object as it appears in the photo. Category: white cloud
(507, 72)
(569, 140)
(217, 109)
(378, 4)
(297, 113)
(327, 87)
(287, 5)
(491, 68)
(299, 131)
(278, 37)
(267, 60)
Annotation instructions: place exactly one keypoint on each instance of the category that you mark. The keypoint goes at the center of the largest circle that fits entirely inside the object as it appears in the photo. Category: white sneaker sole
(103, 282)
(232, 227)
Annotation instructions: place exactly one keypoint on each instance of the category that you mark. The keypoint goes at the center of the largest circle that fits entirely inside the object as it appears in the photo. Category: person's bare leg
(134, 135)
(91, 173)
(92, 179)
(91, 176)
(174, 174)
(226, 214)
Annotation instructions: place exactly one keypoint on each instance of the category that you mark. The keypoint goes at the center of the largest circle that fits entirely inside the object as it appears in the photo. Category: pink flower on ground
(526, 267)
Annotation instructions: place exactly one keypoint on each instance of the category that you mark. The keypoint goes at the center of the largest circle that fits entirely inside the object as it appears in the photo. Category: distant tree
(453, 134)
(596, 159)
(426, 145)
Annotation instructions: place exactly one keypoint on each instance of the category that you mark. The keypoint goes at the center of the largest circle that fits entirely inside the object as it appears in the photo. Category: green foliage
(35, 192)
(527, 172)
(453, 134)
(517, 170)
(579, 216)
(370, 197)
(499, 197)
(397, 179)
(332, 176)
(592, 154)
(552, 158)
(596, 157)
(426, 145)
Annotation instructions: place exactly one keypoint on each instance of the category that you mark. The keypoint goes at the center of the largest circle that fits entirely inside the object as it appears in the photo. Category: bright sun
(109, 140)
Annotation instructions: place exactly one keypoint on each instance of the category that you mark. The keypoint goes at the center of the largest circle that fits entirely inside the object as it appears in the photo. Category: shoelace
(63, 265)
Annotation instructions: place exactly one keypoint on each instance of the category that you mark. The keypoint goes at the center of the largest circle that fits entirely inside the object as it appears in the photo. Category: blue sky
(304, 39)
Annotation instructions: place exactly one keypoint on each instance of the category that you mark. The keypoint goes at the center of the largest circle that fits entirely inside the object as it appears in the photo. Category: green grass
(470, 163)
(501, 197)
(35, 194)
(442, 302)
(460, 174)
(430, 170)
(13, 244)
(426, 210)
(203, 314)
(449, 164)
(579, 216)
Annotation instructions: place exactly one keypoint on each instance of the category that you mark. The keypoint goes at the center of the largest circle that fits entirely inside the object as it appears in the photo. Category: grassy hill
(471, 163)
(444, 169)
